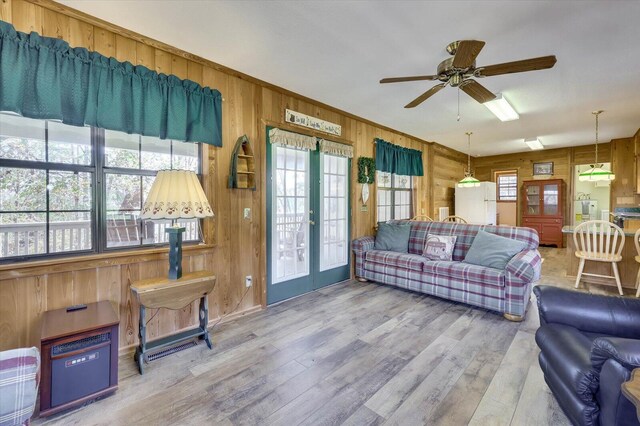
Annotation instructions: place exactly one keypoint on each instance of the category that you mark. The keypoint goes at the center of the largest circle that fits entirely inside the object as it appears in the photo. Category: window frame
(497, 180)
(98, 211)
(392, 191)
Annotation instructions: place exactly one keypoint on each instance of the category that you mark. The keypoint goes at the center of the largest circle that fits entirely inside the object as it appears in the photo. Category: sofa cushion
(568, 350)
(19, 369)
(493, 251)
(466, 272)
(439, 247)
(397, 260)
(393, 237)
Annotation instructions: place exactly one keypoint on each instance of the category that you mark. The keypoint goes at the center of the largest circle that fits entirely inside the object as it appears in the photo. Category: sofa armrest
(360, 247)
(363, 243)
(525, 266)
(625, 351)
(612, 315)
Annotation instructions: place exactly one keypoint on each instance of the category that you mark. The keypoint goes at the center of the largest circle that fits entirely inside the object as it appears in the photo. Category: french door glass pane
(291, 214)
(333, 217)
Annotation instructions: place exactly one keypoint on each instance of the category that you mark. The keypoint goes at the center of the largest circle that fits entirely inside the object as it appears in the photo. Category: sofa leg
(514, 318)
(362, 280)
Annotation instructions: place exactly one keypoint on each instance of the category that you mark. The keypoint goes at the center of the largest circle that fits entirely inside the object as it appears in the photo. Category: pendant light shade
(595, 172)
(468, 181)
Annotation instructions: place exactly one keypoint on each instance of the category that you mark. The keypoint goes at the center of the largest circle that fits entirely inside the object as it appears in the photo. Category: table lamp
(175, 194)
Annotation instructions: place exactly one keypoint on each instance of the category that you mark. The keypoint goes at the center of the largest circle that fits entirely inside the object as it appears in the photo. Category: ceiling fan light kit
(502, 109)
(468, 181)
(596, 172)
(534, 144)
(459, 70)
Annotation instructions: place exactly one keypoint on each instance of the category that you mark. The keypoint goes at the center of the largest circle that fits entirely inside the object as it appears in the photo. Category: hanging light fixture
(596, 172)
(468, 181)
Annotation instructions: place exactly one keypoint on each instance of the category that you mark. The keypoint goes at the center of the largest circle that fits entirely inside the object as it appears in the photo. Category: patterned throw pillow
(439, 247)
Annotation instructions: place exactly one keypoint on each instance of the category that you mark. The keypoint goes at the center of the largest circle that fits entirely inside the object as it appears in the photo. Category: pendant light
(596, 172)
(468, 181)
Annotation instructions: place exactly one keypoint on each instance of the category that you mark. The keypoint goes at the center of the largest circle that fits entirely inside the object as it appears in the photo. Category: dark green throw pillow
(493, 251)
(393, 237)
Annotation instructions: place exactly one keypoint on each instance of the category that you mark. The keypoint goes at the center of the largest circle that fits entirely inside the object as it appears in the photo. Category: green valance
(43, 77)
(396, 159)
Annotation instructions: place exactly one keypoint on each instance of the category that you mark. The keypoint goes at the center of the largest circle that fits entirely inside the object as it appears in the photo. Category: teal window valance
(44, 78)
(396, 159)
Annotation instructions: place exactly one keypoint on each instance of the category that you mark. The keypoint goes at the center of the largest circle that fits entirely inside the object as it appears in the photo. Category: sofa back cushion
(393, 237)
(493, 251)
(465, 233)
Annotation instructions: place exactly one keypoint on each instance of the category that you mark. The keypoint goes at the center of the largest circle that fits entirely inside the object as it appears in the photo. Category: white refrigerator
(477, 204)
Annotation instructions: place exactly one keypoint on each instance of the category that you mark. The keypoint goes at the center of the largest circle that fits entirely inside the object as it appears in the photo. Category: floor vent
(171, 350)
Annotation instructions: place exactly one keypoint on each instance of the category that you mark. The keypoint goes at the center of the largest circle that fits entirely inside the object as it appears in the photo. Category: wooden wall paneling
(85, 286)
(80, 34)
(178, 66)
(55, 25)
(125, 49)
(59, 290)
(104, 42)
(159, 321)
(128, 306)
(194, 71)
(22, 302)
(5, 10)
(623, 188)
(145, 55)
(109, 286)
(162, 61)
(26, 16)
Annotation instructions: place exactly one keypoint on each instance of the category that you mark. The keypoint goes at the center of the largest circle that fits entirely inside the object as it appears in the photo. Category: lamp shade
(596, 173)
(468, 182)
(176, 194)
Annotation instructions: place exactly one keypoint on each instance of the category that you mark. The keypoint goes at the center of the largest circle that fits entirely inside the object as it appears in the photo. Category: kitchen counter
(628, 267)
(568, 229)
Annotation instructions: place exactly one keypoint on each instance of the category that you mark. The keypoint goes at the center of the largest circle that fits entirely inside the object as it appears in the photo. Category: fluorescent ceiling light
(534, 144)
(502, 109)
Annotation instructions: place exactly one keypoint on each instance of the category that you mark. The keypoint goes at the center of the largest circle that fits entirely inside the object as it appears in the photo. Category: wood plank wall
(237, 247)
(620, 152)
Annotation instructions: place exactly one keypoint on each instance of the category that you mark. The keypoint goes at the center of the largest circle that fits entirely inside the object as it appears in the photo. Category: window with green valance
(398, 160)
(44, 78)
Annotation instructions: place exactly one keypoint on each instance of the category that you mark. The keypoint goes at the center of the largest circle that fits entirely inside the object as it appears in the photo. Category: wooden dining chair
(599, 241)
(636, 240)
(454, 218)
(422, 218)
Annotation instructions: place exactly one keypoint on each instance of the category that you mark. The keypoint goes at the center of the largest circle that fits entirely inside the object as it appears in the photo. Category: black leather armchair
(589, 345)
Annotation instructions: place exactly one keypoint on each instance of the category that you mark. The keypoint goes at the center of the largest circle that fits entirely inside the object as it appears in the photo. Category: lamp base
(175, 252)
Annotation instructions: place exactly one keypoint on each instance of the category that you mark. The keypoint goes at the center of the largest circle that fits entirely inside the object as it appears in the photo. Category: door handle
(311, 222)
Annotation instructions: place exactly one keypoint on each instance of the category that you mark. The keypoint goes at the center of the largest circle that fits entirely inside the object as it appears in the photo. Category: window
(393, 194)
(507, 186)
(57, 195)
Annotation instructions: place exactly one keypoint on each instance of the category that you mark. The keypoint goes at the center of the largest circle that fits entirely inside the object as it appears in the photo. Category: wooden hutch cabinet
(543, 209)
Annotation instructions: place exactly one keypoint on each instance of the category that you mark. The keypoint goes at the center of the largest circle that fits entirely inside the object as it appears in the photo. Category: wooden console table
(631, 390)
(157, 293)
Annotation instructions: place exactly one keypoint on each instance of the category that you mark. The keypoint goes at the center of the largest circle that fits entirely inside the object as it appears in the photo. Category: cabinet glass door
(550, 199)
(533, 199)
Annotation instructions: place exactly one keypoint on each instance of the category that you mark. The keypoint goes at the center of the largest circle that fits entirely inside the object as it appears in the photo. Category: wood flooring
(349, 354)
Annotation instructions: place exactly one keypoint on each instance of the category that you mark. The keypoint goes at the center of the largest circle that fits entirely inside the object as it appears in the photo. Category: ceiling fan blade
(414, 78)
(477, 91)
(532, 64)
(466, 53)
(426, 95)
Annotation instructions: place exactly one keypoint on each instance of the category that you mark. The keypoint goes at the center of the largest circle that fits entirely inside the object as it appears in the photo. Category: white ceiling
(337, 51)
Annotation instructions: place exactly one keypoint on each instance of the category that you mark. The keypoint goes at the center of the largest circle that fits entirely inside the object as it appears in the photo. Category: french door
(308, 220)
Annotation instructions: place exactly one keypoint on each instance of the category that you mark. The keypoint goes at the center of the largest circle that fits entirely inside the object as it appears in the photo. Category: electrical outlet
(248, 281)
(247, 213)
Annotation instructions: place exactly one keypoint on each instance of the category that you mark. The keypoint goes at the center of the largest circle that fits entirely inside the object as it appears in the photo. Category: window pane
(69, 190)
(69, 144)
(69, 231)
(123, 192)
(153, 231)
(123, 229)
(186, 156)
(22, 234)
(383, 179)
(121, 150)
(22, 138)
(156, 154)
(22, 189)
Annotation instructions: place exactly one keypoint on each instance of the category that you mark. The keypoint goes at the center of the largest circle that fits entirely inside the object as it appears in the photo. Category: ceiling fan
(458, 70)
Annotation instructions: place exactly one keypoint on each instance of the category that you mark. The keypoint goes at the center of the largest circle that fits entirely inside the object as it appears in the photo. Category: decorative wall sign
(545, 169)
(312, 122)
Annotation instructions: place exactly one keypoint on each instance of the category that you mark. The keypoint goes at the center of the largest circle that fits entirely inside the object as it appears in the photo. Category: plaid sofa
(19, 378)
(506, 291)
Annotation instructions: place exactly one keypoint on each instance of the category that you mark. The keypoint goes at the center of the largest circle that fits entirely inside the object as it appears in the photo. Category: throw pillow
(439, 247)
(492, 250)
(393, 237)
